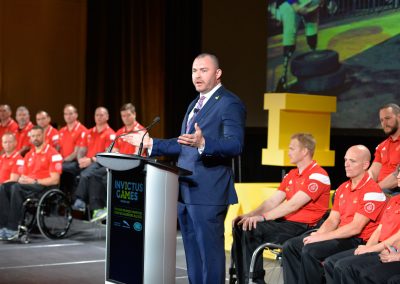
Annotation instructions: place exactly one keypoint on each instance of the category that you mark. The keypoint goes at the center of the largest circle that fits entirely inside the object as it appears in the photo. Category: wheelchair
(50, 213)
(273, 265)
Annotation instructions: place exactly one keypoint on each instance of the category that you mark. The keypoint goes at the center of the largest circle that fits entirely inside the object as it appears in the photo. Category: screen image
(347, 49)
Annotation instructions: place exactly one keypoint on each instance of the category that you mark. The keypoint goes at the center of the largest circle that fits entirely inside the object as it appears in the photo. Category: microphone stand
(156, 120)
(109, 149)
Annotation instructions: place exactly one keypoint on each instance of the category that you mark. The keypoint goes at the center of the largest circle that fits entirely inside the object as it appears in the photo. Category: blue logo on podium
(137, 226)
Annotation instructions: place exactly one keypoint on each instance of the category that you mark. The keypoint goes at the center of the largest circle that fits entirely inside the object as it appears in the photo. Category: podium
(142, 199)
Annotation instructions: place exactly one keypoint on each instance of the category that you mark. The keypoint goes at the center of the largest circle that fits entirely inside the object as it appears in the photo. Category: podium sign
(126, 225)
(142, 199)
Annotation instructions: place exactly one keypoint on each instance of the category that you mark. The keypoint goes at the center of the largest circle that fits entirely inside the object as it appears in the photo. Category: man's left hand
(194, 140)
(389, 256)
(26, 180)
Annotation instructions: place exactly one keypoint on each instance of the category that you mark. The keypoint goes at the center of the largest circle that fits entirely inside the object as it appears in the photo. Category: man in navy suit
(212, 134)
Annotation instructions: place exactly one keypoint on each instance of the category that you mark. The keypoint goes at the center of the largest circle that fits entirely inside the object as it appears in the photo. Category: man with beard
(356, 213)
(387, 155)
(41, 170)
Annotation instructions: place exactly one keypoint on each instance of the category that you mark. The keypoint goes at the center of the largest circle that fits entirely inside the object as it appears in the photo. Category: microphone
(155, 120)
(108, 150)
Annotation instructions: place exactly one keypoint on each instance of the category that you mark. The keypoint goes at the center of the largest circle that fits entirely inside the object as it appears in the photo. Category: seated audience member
(24, 126)
(51, 135)
(387, 154)
(7, 124)
(128, 116)
(356, 212)
(41, 170)
(11, 162)
(71, 136)
(299, 203)
(367, 263)
(96, 141)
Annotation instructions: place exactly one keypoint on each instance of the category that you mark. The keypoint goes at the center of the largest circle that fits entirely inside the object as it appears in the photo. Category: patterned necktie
(196, 110)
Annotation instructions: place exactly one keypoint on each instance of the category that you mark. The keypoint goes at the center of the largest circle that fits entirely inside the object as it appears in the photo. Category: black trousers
(366, 268)
(70, 171)
(91, 187)
(246, 242)
(395, 279)
(303, 263)
(12, 197)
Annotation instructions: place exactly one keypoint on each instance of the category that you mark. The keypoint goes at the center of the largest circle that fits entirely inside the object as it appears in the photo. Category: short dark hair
(36, 127)
(395, 108)
(129, 107)
(213, 57)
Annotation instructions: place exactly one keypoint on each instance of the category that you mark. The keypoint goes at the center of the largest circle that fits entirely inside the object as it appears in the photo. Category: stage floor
(80, 258)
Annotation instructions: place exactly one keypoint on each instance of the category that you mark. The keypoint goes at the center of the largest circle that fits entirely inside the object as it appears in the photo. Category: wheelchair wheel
(272, 265)
(29, 214)
(53, 214)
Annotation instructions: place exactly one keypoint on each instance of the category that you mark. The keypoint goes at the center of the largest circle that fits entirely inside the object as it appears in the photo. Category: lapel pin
(217, 97)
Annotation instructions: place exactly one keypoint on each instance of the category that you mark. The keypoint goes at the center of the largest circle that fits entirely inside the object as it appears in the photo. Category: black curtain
(183, 44)
(142, 52)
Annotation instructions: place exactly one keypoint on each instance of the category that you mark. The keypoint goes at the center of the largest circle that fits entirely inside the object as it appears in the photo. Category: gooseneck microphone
(109, 149)
(155, 121)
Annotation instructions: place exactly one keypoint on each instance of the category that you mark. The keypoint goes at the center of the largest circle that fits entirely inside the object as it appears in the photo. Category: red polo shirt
(313, 181)
(97, 142)
(391, 218)
(40, 165)
(388, 154)
(11, 126)
(68, 140)
(51, 136)
(123, 146)
(367, 199)
(12, 164)
(23, 136)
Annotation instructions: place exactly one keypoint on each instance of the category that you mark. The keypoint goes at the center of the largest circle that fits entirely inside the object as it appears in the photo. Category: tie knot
(200, 101)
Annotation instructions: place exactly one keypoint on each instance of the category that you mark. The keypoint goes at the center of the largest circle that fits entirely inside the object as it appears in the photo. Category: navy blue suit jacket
(222, 121)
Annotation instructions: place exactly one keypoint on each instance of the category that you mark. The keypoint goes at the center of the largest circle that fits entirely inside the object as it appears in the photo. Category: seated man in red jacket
(7, 124)
(11, 162)
(97, 140)
(41, 170)
(298, 204)
(357, 210)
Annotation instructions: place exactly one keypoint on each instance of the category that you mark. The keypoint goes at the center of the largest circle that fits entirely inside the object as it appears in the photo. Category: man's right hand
(250, 222)
(237, 220)
(136, 138)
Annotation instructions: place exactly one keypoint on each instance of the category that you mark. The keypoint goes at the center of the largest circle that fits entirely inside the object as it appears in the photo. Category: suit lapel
(189, 109)
(215, 98)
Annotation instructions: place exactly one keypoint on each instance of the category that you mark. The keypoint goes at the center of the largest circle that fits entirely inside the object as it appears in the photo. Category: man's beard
(37, 143)
(393, 130)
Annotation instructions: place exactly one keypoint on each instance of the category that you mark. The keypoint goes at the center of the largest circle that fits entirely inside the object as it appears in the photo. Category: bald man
(356, 212)
(97, 140)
